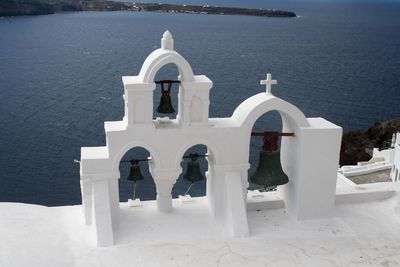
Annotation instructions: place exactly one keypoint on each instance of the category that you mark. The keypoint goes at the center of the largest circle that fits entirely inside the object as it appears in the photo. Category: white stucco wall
(310, 158)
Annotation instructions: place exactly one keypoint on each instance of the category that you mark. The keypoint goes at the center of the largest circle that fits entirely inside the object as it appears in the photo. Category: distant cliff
(40, 7)
(207, 9)
(20, 8)
(357, 145)
(36, 7)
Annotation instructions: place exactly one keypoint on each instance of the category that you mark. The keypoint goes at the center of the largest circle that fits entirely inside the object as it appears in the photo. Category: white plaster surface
(134, 202)
(310, 158)
(343, 181)
(363, 234)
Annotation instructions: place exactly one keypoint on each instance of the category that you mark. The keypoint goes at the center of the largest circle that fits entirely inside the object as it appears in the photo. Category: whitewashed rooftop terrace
(364, 231)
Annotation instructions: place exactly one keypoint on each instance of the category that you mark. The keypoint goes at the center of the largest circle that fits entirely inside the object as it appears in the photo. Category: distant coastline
(44, 7)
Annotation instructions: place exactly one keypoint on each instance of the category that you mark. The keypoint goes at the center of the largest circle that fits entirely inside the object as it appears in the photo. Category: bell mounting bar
(270, 139)
(194, 156)
(135, 160)
(167, 81)
(271, 134)
(190, 156)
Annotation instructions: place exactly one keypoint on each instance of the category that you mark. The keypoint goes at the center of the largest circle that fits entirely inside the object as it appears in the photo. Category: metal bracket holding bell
(165, 105)
(269, 172)
(195, 156)
(136, 160)
(270, 139)
(167, 81)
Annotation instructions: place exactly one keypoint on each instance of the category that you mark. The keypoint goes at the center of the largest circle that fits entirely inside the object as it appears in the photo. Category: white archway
(155, 159)
(159, 58)
(249, 111)
(215, 156)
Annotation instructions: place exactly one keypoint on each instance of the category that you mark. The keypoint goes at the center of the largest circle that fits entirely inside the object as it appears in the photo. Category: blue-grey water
(60, 79)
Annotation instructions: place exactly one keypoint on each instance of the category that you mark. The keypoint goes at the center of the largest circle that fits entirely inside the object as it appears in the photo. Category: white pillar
(164, 196)
(102, 213)
(227, 195)
(86, 191)
(216, 186)
(311, 190)
(194, 100)
(245, 182)
(236, 216)
(114, 200)
(138, 99)
(164, 180)
(215, 190)
(209, 188)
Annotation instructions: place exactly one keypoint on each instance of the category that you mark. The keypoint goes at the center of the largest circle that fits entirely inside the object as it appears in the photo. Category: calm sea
(60, 79)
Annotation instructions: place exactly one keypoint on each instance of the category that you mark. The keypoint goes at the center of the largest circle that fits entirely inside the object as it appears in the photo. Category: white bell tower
(309, 158)
(194, 90)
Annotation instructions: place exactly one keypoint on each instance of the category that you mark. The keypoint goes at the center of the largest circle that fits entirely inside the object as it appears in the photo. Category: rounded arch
(251, 110)
(118, 156)
(248, 112)
(214, 152)
(160, 58)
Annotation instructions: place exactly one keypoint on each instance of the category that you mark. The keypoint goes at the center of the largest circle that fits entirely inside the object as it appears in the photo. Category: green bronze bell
(165, 105)
(269, 171)
(193, 172)
(135, 174)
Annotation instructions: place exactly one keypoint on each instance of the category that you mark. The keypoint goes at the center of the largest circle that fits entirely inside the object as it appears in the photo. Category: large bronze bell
(269, 171)
(193, 172)
(165, 105)
(135, 174)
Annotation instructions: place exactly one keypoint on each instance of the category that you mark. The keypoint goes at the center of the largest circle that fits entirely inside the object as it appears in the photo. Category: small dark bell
(135, 174)
(269, 171)
(193, 172)
(165, 105)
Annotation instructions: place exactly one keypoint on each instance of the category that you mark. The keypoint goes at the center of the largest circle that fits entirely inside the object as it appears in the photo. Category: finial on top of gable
(167, 42)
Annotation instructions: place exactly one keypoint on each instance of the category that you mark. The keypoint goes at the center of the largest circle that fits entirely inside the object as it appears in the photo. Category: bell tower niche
(194, 101)
(138, 100)
(193, 94)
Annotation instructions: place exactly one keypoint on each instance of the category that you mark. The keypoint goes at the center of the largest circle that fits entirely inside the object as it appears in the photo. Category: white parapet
(353, 170)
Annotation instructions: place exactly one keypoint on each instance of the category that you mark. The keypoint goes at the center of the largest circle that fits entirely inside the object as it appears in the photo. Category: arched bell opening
(165, 98)
(135, 174)
(266, 171)
(192, 180)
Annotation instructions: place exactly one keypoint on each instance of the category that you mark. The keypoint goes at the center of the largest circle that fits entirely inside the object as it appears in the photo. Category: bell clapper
(134, 202)
(187, 191)
(134, 190)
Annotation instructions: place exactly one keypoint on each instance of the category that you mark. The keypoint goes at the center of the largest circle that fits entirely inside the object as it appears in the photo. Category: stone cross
(268, 83)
